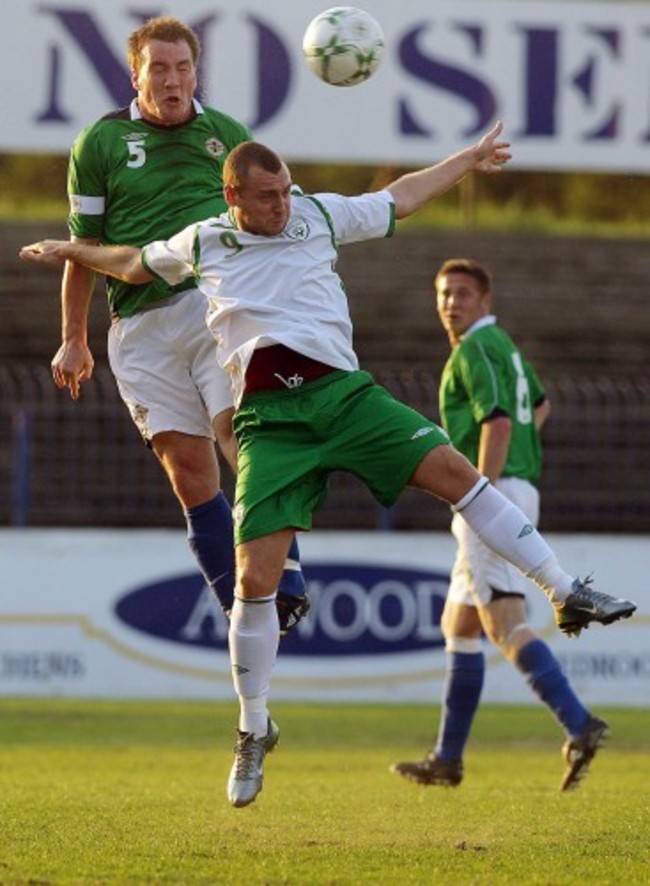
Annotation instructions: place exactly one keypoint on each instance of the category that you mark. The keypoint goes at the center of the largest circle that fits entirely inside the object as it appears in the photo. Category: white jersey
(282, 289)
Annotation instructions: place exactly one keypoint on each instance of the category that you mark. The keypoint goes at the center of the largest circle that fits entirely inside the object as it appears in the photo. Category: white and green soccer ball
(343, 45)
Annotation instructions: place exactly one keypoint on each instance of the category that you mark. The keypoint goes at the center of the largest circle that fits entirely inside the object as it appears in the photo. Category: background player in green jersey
(138, 174)
(492, 406)
(280, 312)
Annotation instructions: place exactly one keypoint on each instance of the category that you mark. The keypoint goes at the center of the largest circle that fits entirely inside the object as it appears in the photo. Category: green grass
(110, 792)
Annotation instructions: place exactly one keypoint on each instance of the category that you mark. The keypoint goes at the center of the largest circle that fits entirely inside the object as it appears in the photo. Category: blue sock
(545, 676)
(462, 693)
(293, 581)
(210, 537)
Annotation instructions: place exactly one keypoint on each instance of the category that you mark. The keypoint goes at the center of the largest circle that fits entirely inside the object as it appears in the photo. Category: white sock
(253, 639)
(504, 528)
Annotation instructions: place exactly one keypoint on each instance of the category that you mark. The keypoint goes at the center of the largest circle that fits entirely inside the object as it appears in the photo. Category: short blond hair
(165, 28)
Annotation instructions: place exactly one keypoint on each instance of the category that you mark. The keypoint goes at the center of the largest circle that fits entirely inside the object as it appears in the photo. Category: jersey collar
(136, 115)
(488, 320)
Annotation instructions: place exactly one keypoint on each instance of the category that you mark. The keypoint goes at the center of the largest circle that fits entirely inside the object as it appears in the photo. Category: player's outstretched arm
(414, 190)
(123, 262)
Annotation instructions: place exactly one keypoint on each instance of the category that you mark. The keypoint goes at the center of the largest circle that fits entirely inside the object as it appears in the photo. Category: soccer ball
(343, 45)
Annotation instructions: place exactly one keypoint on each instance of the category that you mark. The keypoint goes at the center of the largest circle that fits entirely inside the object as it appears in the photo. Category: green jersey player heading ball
(137, 174)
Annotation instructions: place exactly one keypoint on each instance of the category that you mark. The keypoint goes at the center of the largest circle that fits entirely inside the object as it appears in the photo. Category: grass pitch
(134, 793)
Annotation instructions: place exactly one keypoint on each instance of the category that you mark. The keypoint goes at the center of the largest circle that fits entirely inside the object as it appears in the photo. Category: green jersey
(486, 375)
(133, 182)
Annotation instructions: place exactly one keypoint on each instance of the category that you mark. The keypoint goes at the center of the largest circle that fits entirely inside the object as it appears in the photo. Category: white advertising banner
(124, 614)
(571, 80)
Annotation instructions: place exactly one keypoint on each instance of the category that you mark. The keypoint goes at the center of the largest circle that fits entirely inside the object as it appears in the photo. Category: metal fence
(78, 464)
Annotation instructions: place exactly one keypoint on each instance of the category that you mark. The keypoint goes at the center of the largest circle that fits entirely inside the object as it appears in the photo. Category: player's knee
(250, 583)
(255, 579)
(460, 620)
(191, 467)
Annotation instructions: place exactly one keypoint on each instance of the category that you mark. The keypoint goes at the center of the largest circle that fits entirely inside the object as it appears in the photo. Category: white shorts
(477, 570)
(164, 360)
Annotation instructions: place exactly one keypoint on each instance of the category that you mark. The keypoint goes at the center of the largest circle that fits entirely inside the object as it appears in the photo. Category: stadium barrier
(124, 614)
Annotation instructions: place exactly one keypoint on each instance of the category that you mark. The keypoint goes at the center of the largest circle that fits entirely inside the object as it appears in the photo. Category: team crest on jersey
(134, 136)
(298, 229)
(214, 147)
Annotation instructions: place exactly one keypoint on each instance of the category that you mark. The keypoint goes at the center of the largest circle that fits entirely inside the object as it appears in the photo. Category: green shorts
(291, 440)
